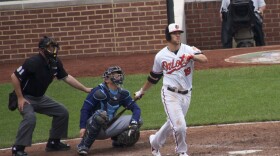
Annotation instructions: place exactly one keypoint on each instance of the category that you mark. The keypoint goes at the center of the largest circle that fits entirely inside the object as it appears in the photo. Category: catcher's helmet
(116, 79)
(49, 46)
(173, 27)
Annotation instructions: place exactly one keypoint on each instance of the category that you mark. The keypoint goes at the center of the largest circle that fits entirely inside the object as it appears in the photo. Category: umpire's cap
(47, 41)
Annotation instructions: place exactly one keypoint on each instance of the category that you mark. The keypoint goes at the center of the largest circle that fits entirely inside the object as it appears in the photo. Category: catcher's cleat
(82, 150)
(155, 152)
(52, 146)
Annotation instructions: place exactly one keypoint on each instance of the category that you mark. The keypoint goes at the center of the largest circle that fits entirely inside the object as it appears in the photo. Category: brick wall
(135, 26)
(85, 30)
(204, 26)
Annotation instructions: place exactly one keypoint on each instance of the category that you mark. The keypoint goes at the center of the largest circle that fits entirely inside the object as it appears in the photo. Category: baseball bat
(115, 118)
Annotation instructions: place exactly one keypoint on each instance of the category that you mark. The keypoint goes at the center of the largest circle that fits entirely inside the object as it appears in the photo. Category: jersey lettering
(172, 66)
(187, 71)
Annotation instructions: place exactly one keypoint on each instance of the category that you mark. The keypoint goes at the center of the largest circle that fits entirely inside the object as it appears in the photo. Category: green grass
(219, 96)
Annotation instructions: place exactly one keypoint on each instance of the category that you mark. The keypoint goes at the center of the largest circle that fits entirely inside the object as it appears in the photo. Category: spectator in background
(226, 32)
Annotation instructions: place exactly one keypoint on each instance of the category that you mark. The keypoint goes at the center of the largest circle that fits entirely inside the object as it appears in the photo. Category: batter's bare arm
(152, 79)
(146, 86)
(76, 84)
(16, 85)
(200, 58)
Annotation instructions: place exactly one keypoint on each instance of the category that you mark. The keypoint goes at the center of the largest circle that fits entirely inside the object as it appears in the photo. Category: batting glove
(139, 94)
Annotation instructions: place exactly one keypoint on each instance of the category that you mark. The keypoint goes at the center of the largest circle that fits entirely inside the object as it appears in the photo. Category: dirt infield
(209, 140)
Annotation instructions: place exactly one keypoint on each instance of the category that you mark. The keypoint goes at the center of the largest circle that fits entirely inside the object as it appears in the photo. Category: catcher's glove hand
(133, 127)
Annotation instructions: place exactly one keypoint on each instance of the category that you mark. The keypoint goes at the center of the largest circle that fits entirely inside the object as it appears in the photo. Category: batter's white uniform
(177, 74)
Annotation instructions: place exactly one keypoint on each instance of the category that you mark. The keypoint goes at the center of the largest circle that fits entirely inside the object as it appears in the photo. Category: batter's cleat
(155, 152)
(183, 154)
(60, 146)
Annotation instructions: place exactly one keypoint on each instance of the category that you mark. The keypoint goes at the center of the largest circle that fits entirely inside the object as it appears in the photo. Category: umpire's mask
(49, 46)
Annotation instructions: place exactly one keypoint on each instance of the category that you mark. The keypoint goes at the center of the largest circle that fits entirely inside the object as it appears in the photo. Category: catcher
(100, 108)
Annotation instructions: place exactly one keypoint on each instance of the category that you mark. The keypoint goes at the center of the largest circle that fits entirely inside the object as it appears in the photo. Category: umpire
(30, 82)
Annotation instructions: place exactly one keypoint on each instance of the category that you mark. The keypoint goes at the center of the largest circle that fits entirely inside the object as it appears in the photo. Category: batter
(175, 63)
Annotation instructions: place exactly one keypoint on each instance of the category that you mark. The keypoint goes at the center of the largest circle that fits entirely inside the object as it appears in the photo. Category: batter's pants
(176, 106)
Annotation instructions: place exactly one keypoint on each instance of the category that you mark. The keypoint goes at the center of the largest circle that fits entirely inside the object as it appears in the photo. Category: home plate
(262, 57)
(243, 152)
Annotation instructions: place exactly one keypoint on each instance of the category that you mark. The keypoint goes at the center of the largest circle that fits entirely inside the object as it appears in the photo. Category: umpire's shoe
(18, 151)
(56, 146)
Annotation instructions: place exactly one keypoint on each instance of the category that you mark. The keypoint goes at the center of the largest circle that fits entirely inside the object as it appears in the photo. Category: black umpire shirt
(35, 75)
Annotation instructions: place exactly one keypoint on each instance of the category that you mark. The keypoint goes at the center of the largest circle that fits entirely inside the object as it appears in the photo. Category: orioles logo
(174, 65)
(177, 26)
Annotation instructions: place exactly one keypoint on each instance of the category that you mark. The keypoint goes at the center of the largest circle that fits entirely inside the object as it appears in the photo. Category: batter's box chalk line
(243, 152)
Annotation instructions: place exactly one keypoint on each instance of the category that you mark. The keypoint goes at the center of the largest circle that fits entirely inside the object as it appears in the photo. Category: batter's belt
(179, 91)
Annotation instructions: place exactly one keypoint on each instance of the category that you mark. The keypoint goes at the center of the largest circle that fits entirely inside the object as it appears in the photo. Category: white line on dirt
(236, 124)
(243, 152)
(222, 125)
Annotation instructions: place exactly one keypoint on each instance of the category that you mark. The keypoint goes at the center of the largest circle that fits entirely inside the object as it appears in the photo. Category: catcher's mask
(173, 27)
(49, 46)
(115, 74)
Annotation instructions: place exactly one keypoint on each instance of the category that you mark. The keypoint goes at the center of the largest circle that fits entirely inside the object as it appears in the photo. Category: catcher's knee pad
(124, 139)
(95, 123)
(100, 117)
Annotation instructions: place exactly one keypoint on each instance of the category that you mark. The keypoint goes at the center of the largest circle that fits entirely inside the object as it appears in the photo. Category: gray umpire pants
(42, 105)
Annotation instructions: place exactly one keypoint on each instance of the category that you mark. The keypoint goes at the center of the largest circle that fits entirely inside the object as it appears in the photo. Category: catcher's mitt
(125, 140)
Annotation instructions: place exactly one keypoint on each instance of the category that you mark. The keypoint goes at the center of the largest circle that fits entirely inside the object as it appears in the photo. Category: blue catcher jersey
(101, 97)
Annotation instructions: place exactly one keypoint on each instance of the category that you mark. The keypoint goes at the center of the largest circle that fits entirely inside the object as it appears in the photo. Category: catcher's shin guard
(92, 130)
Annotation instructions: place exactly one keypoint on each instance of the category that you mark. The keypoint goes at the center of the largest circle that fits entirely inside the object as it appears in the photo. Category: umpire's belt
(178, 91)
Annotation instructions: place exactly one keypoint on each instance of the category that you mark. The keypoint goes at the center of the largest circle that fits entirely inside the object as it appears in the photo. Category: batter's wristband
(153, 81)
(158, 76)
